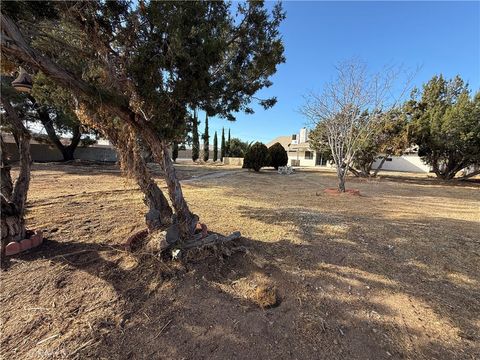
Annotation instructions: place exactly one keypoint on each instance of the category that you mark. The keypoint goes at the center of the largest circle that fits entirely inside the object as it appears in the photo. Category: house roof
(283, 140)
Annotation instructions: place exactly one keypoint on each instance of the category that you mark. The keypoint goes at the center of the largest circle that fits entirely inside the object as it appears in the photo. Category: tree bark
(125, 140)
(341, 179)
(13, 206)
(6, 178)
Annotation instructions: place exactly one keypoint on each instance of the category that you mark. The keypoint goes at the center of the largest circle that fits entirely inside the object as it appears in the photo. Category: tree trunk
(13, 206)
(379, 167)
(132, 162)
(67, 151)
(6, 178)
(341, 179)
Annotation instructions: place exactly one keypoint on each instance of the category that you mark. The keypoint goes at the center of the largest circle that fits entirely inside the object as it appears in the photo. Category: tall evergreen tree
(227, 146)
(206, 137)
(175, 151)
(222, 150)
(195, 139)
(215, 147)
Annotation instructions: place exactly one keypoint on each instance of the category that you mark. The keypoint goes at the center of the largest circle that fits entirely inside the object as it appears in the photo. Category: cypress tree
(206, 144)
(175, 151)
(215, 147)
(227, 147)
(222, 150)
(195, 139)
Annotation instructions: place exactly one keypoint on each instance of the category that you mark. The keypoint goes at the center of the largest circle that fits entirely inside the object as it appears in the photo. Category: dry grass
(393, 273)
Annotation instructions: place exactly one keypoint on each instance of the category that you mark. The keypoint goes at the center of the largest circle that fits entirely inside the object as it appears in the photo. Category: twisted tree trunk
(14, 197)
(125, 140)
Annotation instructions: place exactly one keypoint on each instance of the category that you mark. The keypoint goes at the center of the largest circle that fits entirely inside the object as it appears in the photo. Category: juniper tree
(445, 124)
(148, 64)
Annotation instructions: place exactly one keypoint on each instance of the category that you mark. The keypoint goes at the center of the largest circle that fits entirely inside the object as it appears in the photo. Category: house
(301, 154)
(299, 151)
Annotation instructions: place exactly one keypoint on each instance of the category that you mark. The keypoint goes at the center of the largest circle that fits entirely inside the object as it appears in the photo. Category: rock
(12, 248)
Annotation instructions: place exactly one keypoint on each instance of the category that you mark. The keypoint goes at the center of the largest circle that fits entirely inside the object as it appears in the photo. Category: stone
(12, 248)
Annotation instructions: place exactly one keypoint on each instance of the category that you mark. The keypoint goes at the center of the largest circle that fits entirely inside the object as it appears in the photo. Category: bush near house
(256, 157)
(278, 155)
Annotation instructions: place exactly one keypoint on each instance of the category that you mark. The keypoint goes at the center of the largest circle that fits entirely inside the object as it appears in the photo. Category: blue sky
(441, 37)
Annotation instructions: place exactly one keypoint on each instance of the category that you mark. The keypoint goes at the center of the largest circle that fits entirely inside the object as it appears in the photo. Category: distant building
(302, 155)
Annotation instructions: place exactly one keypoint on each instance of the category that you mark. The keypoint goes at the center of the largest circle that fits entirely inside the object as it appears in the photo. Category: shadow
(350, 288)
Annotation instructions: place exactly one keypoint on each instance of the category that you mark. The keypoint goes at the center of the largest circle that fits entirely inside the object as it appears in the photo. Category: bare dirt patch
(392, 274)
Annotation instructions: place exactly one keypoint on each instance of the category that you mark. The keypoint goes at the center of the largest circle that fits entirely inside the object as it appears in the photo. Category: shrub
(278, 155)
(256, 157)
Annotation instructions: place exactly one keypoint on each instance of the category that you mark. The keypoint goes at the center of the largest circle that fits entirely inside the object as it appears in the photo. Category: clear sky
(441, 37)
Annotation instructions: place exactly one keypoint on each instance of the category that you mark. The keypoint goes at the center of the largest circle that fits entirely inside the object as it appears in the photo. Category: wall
(44, 152)
(233, 161)
(408, 163)
(293, 155)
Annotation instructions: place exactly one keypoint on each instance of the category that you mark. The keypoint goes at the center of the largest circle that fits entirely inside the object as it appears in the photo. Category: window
(308, 155)
(294, 137)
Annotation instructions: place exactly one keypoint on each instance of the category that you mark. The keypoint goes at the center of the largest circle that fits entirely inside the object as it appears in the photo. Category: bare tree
(350, 107)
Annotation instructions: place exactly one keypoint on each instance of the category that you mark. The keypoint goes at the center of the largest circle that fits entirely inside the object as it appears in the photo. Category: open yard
(392, 274)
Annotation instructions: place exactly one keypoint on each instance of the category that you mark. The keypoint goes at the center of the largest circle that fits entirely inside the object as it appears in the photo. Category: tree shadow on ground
(329, 290)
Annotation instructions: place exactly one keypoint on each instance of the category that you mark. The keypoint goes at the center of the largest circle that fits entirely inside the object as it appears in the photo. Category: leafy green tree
(209, 56)
(222, 150)
(256, 157)
(215, 147)
(195, 138)
(238, 148)
(206, 145)
(278, 155)
(445, 124)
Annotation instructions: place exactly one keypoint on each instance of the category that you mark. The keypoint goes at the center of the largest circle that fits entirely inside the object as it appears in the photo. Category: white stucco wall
(407, 163)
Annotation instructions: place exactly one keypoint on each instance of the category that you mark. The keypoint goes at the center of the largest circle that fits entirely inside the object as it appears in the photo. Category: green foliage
(195, 139)
(256, 157)
(160, 58)
(206, 145)
(388, 137)
(278, 155)
(215, 147)
(222, 150)
(238, 148)
(445, 124)
(174, 151)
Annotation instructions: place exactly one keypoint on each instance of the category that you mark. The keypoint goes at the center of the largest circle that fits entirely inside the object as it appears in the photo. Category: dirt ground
(392, 274)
